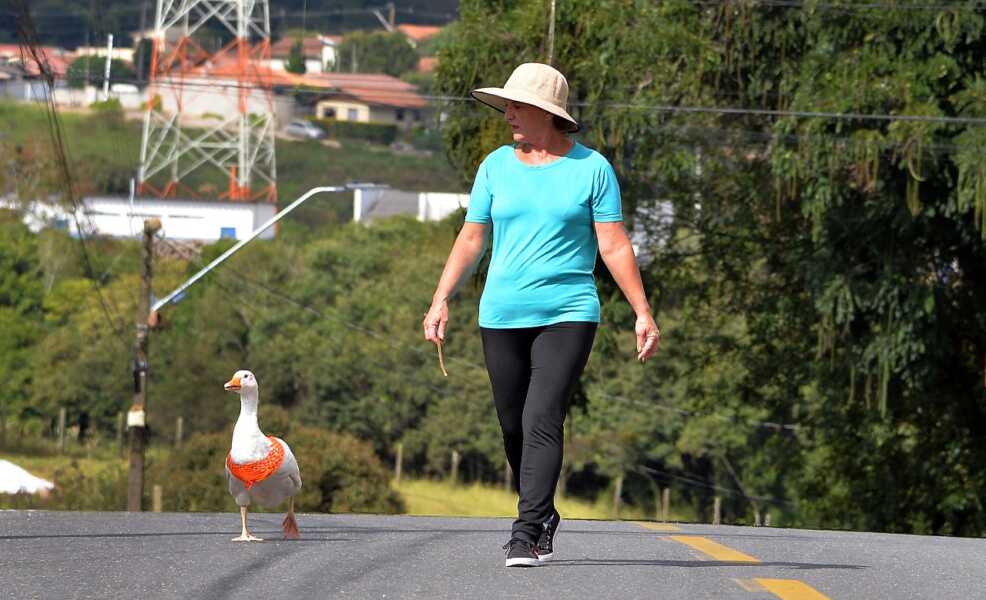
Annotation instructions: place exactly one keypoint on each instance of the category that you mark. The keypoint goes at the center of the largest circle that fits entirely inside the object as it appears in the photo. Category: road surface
(149, 555)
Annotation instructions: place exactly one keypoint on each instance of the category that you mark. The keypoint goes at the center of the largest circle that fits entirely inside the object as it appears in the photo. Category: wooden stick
(441, 357)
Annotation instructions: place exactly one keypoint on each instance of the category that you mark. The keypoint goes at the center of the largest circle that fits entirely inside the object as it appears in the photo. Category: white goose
(259, 469)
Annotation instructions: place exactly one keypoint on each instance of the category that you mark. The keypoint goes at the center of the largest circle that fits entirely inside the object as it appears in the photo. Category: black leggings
(533, 371)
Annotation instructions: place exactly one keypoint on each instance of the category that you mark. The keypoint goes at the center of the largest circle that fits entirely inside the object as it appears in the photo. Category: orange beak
(232, 385)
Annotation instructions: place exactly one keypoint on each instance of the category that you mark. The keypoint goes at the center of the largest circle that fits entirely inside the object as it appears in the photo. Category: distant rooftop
(419, 33)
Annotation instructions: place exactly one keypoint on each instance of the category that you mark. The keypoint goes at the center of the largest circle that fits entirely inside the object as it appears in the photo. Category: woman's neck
(544, 150)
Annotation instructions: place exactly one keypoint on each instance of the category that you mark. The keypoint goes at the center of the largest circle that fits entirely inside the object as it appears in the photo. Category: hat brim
(497, 98)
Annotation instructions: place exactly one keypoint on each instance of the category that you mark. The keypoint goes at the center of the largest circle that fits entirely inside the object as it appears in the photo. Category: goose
(259, 469)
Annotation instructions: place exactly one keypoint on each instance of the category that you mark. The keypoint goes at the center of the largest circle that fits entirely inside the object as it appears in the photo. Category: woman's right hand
(435, 321)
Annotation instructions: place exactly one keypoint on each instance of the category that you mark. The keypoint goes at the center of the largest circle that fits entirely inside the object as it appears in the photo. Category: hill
(70, 23)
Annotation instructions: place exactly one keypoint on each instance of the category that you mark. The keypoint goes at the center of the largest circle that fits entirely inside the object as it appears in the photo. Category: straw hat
(535, 84)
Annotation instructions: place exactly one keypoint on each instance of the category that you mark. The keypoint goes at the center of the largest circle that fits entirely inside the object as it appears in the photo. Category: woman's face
(526, 121)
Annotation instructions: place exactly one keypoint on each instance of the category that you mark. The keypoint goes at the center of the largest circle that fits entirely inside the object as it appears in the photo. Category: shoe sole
(545, 557)
(523, 562)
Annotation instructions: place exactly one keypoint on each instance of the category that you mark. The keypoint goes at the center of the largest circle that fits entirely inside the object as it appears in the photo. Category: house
(58, 59)
(119, 53)
(319, 53)
(368, 98)
(15, 84)
(180, 219)
(213, 91)
(416, 34)
(20, 75)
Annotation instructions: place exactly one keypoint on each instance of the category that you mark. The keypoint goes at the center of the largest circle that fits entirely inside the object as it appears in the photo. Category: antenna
(233, 86)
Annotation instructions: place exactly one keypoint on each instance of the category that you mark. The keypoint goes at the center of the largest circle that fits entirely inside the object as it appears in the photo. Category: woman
(551, 203)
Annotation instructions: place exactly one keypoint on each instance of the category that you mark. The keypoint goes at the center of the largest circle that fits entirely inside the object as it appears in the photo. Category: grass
(440, 498)
(42, 459)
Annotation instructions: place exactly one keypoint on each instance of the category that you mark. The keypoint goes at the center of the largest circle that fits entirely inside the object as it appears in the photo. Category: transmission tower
(240, 141)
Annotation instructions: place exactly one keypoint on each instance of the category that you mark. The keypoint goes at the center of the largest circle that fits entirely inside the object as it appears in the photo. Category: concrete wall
(222, 97)
(129, 96)
(378, 203)
(312, 65)
(24, 90)
(435, 206)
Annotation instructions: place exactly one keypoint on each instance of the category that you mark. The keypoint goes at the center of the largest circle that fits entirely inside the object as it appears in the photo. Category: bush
(108, 113)
(339, 472)
(377, 133)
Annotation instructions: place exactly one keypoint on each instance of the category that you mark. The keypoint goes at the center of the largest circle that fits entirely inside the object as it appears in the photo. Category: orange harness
(254, 472)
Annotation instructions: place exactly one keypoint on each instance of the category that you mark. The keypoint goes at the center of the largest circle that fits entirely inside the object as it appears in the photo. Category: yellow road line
(750, 585)
(791, 589)
(713, 549)
(660, 526)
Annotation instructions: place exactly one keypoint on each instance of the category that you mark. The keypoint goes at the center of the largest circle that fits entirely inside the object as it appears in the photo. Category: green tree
(296, 60)
(20, 315)
(376, 52)
(90, 70)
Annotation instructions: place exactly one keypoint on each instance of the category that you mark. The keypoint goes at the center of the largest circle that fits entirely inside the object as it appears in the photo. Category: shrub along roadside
(339, 472)
(377, 133)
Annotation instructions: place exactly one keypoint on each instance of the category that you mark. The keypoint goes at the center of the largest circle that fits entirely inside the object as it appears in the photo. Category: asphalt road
(147, 556)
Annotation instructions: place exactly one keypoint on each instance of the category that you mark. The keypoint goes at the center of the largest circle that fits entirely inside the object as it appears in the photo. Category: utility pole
(137, 417)
(109, 61)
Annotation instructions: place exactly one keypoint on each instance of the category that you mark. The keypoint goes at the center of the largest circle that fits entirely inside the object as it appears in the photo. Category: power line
(704, 484)
(30, 46)
(885, 6)
(657, 108)
(778, 427)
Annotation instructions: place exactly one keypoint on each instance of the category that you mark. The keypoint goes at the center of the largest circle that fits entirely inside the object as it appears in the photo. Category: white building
(117, 53)
(180, 219)
(377, 203)
(319, 53)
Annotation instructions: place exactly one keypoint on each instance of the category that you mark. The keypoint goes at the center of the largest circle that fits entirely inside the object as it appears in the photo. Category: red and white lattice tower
(228, 94)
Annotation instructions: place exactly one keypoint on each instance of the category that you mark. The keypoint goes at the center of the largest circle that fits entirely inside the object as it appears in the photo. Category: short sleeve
(481, 198)
(607, 206)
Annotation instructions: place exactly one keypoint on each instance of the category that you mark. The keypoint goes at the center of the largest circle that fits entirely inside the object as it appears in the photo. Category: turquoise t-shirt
(544, 244)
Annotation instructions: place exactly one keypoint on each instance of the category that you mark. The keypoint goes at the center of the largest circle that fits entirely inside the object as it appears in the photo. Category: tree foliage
(376, 52)
(90, 70)
(823, 272)
(296, 60)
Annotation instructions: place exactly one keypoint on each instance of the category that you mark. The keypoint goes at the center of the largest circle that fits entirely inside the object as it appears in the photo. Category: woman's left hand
(648, 336)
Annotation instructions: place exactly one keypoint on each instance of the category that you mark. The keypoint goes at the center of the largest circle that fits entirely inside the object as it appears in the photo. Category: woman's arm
(465, 254)
(617, 254)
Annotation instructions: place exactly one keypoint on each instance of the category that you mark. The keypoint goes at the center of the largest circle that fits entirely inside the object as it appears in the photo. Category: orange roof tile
(371, 88)
(58, 58)
(418, 32)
